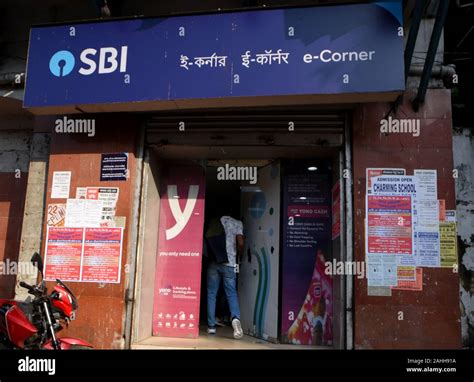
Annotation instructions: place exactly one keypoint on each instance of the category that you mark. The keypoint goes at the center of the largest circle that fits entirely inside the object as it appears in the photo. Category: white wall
(463, 148)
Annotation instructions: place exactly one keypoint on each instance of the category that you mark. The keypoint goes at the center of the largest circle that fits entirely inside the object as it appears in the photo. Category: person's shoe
(238, 332)
(220, 322)
(211, 330)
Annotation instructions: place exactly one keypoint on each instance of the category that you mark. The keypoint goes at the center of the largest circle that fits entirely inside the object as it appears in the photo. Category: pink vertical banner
(179, 256)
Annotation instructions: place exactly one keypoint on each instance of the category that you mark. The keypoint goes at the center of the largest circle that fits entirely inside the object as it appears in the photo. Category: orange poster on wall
(404, 282)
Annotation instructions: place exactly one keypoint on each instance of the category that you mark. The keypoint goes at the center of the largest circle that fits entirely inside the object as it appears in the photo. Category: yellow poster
(448, 242)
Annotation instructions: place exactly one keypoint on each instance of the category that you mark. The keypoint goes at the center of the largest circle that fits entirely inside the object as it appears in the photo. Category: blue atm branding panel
(317, 50)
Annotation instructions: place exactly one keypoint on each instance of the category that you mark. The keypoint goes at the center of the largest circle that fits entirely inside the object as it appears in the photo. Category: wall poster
(307, 300)
(179, 257)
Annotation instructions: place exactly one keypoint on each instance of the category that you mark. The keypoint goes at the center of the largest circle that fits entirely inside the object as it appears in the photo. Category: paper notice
(83, 213)
(427, 184)
(389, 225)
(451, 216)
(379, 291)
(83, 254)
(75, 213)
(428, 215)
(61, 184)
(109, 197)
(416, 285)
(394, 185)
(81, 192)
(448, 244)
(56, 215)
(407, 260)
(374, 172)
(406, 273)
(397, 186)
(63, 253)
(102, 255)
(427, 233)
(93, 213)
(114, 167)
(381, 270)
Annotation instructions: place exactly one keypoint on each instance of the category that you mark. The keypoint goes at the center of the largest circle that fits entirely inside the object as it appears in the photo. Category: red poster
(102, 255)
(417, 284)
(178, 262)
(389, 225)
(92, 193)
(442, 210)
(63, 253)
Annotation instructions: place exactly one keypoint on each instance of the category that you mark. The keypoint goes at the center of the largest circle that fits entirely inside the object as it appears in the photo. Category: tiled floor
(222, 340)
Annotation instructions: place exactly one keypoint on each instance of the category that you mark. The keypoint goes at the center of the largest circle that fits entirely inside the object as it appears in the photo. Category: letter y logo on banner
(181, 217)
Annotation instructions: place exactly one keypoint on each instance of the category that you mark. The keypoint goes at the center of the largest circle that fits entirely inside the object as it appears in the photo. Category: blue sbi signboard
(300, 51)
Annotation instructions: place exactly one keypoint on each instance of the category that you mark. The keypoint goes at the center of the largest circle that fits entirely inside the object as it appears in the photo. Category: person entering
(225, 243)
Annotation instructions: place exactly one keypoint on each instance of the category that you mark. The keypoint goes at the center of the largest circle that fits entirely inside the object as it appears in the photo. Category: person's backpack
(215, 242)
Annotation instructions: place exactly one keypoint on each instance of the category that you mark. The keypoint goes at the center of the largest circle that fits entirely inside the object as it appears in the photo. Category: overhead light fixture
(312, 168)
(302, 197)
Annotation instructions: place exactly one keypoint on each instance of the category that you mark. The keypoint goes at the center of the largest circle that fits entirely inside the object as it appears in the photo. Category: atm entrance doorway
(290, 212)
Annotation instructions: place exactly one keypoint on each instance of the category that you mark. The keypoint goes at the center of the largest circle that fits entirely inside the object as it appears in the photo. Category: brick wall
(431, 316)
(14, 158)
(100, 317)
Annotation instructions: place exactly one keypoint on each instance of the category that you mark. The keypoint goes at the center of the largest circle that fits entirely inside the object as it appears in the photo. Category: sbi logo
(63, 62)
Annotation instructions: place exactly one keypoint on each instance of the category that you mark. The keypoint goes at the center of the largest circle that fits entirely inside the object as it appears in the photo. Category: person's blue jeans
(216, 272)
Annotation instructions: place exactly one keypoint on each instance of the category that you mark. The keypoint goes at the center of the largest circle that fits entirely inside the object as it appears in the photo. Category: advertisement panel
(292, 51)
(336, 210)
(306, 289)
(258, 279)
(179, 256)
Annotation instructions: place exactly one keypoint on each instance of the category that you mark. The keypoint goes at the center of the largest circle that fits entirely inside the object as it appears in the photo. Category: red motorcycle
(34, 324)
